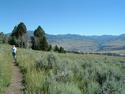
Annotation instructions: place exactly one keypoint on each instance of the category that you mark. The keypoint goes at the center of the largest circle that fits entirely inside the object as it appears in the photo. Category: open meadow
(56, 73)
(5, 67)
(118, 51)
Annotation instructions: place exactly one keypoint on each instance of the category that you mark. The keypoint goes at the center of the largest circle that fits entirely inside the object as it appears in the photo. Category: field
(54, 73)
(5, 67)
(118, 51)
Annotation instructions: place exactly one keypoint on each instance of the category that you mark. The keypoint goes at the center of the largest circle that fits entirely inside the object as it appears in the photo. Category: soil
(15, 86)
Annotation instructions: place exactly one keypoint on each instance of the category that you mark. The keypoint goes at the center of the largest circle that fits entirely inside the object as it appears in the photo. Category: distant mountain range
(73, 42)
(88, 43)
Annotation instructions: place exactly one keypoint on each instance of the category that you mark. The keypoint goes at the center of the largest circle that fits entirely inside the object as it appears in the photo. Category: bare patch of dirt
(15, 86)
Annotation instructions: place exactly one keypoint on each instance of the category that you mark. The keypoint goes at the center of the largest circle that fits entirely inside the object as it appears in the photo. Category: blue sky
(85, 17)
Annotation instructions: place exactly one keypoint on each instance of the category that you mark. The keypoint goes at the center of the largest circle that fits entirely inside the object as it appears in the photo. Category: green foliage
(47, 62)
(61, 88)
(2, 37)
(39, 32)
(59, 49)
(49, 47)
(39, 41)
(45, 44)
(18, 36)
(54, 73)
(5, 67)
(118, 51)
(56, 48)
(14, 31)
(21, 29)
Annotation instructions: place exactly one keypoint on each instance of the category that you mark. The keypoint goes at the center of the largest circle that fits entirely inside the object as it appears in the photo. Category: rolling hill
(88, 43)
(73, 42)
(61, 73)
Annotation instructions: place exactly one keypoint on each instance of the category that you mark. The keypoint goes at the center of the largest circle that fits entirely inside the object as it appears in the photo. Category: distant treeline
(20, 38)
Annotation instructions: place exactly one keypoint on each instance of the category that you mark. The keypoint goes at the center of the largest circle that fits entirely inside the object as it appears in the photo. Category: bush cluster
(86, 77)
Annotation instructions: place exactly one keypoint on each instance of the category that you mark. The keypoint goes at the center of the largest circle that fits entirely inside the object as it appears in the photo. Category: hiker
(14, 49)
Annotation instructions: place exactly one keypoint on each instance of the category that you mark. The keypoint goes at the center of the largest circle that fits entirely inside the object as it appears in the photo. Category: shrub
(47, 62)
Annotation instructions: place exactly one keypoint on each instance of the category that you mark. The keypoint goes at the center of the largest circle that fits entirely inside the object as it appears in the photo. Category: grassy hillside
(5, 67)
(53, 73)
(83, 43)
(118, 51)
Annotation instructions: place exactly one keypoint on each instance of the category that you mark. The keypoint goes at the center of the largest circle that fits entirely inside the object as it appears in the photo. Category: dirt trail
(16, 86)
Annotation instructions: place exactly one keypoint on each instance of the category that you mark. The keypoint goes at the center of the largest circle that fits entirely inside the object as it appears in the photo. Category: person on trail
(14, 49)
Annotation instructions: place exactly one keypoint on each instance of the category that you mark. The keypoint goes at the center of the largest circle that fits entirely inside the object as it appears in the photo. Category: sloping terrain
(73, 42)
(55, 73)
(88, 43)
(10, 75)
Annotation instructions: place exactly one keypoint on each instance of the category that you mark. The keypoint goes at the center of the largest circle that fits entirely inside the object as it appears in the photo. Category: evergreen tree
(12, 40)
(32, 42)
(18, 36)
(39, 41)
(50, 47)
(14, 31)
(2, 37)
(61, 50)
(21, 30)
(39, 32)
(44, 44)
(56, 48)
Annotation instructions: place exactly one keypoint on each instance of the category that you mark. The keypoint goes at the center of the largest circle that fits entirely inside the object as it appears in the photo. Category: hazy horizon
(76, 34)
(83, 17)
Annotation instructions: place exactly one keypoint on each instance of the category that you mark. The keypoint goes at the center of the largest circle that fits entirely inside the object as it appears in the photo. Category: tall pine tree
(39, 41)
(18, 36)
(2, 37)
